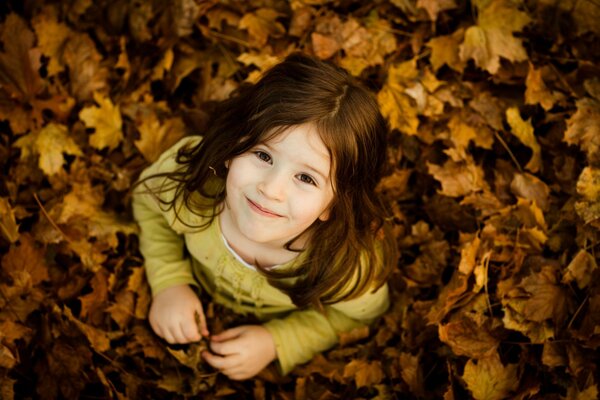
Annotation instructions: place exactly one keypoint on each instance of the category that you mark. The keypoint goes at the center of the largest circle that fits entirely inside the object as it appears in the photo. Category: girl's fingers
(219, 362)
(189, 331)
(228, 334)
(201, 322)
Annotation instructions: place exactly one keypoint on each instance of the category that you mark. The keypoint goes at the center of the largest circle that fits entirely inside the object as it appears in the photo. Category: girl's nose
(272, 186)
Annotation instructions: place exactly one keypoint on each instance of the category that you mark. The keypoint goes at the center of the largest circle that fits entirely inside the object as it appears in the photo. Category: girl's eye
(307, 179)
(263, 156)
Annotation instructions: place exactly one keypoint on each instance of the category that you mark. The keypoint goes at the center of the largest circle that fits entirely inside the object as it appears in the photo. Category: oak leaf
(49, 143)
(493, 38)
(524, 131)
(488, 379)
(106, 120)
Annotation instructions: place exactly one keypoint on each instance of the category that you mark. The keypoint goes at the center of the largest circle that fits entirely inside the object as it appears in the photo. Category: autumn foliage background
(494, 179)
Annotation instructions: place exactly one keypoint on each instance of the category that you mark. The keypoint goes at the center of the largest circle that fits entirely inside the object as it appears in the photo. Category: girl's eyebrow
(307, 166)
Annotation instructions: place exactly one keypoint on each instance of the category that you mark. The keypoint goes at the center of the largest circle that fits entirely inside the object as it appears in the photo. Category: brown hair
(349, 246)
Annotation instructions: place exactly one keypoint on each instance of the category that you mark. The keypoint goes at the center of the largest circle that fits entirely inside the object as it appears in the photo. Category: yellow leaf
(524, 131)
(106, 120)
(462, 133)
(365, 373)
(589, 393)
(458, 178)
(583, 128)
(489, 379)
(468, 255)
(157, 136)
(99, 339)
(49, 143)
(580, 269)
(261, 24)
(445, 50)
(397, 108)
(8, 224)
(51, 37)
(493, 38)
(588, 184)
(537, 92)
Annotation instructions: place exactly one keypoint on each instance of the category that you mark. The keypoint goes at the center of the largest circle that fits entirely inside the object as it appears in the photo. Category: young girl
(272, 212)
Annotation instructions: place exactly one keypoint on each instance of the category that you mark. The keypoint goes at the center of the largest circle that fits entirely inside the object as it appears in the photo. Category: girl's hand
(173, 315)
(242, 352)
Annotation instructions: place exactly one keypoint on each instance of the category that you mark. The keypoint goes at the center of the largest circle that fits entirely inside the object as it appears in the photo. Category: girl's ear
(227, 164)
(325, 215)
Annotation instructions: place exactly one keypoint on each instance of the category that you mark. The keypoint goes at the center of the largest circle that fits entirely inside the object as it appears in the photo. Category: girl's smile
(276, 191)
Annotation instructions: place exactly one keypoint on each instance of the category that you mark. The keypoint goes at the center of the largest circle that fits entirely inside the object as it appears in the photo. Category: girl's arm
(302, 334)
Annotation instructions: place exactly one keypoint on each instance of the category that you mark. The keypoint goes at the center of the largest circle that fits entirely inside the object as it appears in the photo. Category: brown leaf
(412, 372)
(489, 379)
(365, 373)
(445, 51)
(589, 393)
(466, 338)
(458, 178)
(87, 75)
(18, 61)
(580, 269)
(25, 263)
(537, 92)
(51, 37)
(531, 188)
(434, 7)
(583, 128)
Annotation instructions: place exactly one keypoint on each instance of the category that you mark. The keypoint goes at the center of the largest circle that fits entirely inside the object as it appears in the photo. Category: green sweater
(210, 265)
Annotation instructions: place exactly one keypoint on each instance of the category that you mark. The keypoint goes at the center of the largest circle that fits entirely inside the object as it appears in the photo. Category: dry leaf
(106, 120)
(489, 379)
(524, 131)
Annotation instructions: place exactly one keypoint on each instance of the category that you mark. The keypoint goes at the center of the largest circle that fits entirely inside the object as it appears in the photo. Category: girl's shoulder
(166, 162)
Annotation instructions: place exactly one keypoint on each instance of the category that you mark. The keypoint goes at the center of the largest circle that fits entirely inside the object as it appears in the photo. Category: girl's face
(277, 189)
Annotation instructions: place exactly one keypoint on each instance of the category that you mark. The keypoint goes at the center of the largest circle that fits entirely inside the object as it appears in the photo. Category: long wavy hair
(350, 252)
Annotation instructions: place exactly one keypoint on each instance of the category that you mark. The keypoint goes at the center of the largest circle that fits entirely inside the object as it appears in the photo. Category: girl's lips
(262, 211)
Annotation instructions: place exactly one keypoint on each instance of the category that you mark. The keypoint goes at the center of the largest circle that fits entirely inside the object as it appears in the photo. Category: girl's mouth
(262, 211)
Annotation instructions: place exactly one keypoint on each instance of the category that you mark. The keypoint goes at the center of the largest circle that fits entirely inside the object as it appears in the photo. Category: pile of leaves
(494, 181)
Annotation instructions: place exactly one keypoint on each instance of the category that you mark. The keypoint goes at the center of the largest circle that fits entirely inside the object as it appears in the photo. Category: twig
(67, 238)
(510, 153)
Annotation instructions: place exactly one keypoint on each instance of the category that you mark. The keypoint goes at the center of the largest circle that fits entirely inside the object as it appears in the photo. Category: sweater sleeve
(162, 247)
(302, 334)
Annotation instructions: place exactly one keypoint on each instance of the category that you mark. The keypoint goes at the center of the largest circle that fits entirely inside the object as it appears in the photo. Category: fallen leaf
(434, 7)
(466, 338)
(458, 178)
(493, 38)
(25, 263)
(8, 224)
(445, 51)
(524, 131)
(51, 37)
(583, 128)
(411, 372)
(49, 143)
(488, 379)
(156, 136)
(106, 120)
(580, 269)
(537, 92)
(589, 393)
(364, 373)
(87, 75)
(531, 188)
(262, 24)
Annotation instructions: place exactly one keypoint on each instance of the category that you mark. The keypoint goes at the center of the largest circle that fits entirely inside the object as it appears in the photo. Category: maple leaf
(524, 131)
(493, 38)
(106, 120)
(18, 61)
(51, 37)
(583, 128)
(49, 143)
(488, 379)
(261, 24)
(588, 186)
(25, 263)
(445, 51)
(365, 373)
(156, 136)
(395, 104)
(461, 134)
(458, 178)
(8, 224)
